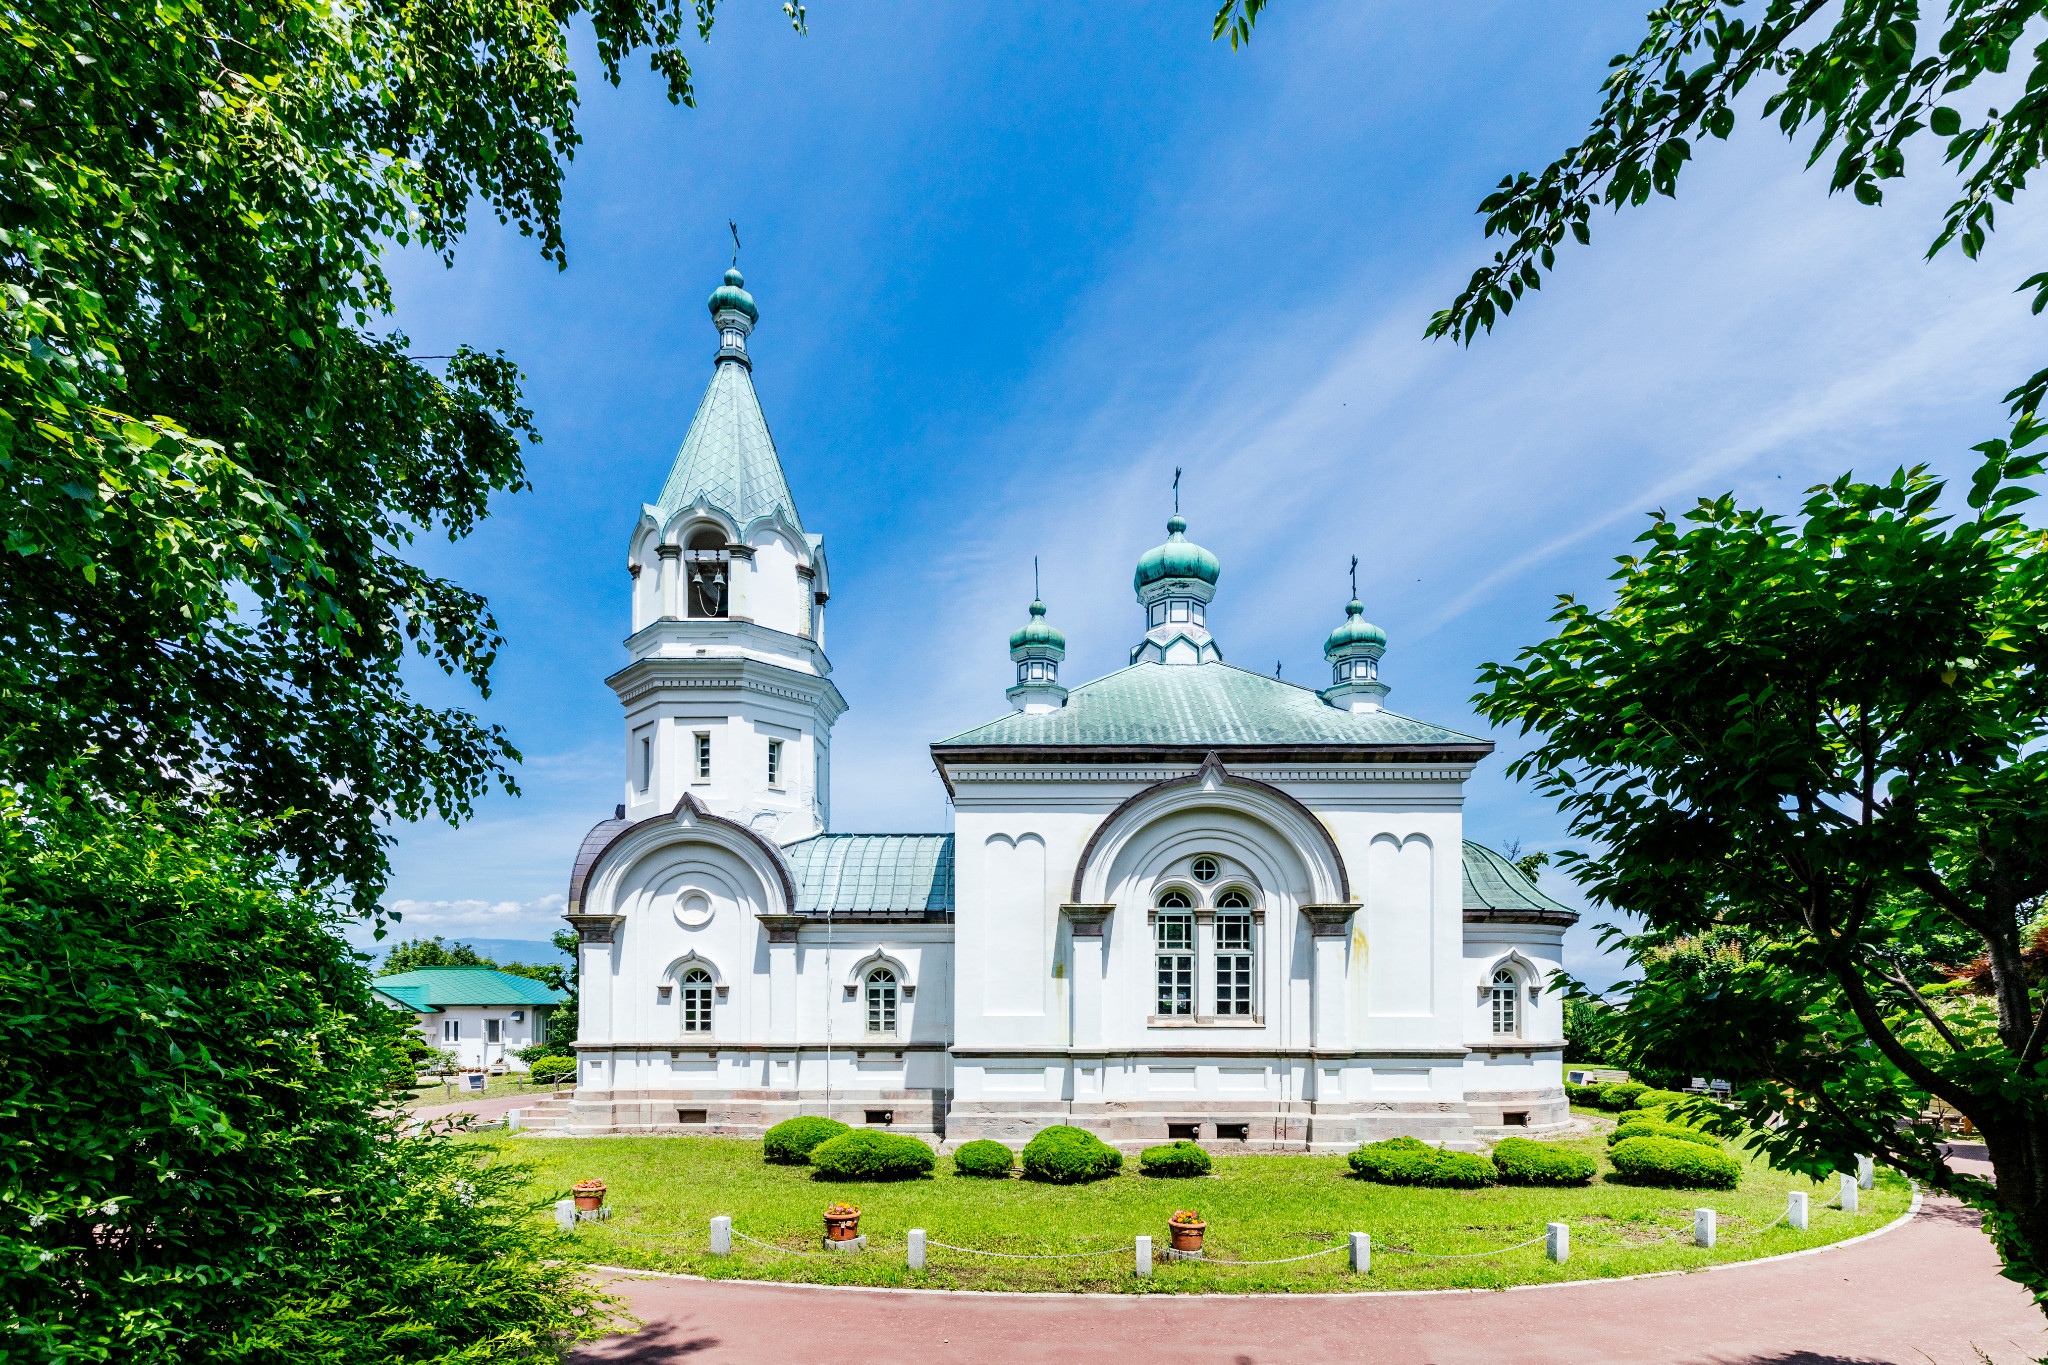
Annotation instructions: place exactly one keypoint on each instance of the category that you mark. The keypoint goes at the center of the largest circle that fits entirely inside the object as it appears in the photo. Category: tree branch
(1916, 1071)
(1898, 977)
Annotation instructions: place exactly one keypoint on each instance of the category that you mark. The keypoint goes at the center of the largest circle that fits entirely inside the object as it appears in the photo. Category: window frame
(451, 1030)
(882, 997)
(1504, 1000)
(697, 991)
(775, 765)
(1173, 962)
(700, 745)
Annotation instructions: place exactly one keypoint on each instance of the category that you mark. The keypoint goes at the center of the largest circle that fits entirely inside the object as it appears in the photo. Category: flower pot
(589, 1198)
(842, 1227)
(1187, 1237)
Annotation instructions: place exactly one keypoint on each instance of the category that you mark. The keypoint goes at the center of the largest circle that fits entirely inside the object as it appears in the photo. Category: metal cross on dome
(1176, 490)
(735, 242)
(1354, 577)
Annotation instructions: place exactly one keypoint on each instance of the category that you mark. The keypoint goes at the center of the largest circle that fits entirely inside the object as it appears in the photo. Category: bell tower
(728, 692)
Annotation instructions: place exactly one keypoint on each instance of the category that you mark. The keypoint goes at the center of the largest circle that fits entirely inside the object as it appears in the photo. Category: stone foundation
(1132, 1125)
(1543, 1110)
(747, 1113)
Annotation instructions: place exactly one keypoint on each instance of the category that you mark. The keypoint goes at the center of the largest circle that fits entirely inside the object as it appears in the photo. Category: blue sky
(1016, 264)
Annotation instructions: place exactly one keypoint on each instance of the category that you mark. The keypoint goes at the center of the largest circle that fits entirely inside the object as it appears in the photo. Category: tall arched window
(1234, 954)
(1173, 959)
(696, 1001)
(881, 1001)
(1504, 1008)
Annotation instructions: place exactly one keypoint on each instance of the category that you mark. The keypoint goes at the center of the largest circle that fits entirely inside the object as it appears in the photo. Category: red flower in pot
(842, 1222)
(589, 1195)
(1186, 1228)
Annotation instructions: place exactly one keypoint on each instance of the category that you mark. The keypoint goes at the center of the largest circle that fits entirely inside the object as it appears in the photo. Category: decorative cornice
(1375, 772)
(595, 928)
(1330, 921)
(781, 928)
(1219, 1050)
(1086, 920)
(1562, 920)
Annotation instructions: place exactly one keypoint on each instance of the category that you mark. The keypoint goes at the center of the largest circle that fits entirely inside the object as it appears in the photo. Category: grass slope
(1258, 1208)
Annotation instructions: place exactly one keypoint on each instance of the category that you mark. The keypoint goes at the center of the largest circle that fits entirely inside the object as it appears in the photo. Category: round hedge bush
(1661, 1099)
(1174, 1158)
(1064, 1155)
(1621, 1094)
(864, 1154)
(1670, 1131)
(551, 1070)
(983, 1157)
(1585, 1096)
(1522, 1162)
(1675, 1164)
(790, 1141)
(1411, 1161)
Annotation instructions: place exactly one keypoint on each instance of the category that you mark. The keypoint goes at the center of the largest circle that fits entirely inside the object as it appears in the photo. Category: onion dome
(732, 295)
(1179, 557)
(1356, 630)
(1038, 631)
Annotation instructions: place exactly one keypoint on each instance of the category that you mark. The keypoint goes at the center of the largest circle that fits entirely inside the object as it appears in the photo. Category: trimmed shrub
(1621, 1094)
(984, 1157)
(790, 1141)
(1585, 1096)
(1522, 1162)
(551, 1070)
(1675, 1164)
(1672, 1131)
(864, 1154)
(1174, 1158)
(1660, 1099)
(1064, 1155)
(1411, 1161)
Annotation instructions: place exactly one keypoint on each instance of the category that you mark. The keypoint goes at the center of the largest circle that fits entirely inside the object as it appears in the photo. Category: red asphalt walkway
(1925, 1293)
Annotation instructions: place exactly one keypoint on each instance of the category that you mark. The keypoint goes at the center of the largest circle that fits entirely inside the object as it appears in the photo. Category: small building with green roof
(1184, 899)
(482, 1015)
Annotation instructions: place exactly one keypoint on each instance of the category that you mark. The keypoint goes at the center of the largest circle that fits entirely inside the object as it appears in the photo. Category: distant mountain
(533, 952)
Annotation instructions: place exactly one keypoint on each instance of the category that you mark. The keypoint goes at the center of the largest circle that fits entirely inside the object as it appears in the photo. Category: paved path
(1925, 1292)
(483, 1109)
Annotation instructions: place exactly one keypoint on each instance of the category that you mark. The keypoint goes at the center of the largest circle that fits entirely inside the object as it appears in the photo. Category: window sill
(1205, 1021)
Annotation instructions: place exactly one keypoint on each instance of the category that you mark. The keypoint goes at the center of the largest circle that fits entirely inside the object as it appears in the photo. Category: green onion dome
(731, 295)
(1356, 630)
(1038, 631)
(1179, 557)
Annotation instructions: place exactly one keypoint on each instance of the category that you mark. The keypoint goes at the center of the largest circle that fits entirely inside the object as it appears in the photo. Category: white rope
(787, 1251)
(1014, 1256)
(1284, 1260)
(1459, 1255)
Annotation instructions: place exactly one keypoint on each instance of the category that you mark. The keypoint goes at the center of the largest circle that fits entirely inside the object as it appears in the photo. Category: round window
(694, 908)
(1205, 869)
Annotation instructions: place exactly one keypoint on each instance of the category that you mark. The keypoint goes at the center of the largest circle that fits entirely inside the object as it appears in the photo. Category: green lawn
(1258, 1208)
(497, 1087)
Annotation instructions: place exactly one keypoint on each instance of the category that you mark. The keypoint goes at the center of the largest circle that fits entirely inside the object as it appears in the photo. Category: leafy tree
(197, 1161)
(212, 460)
(1797, 747)
(553, 975)
(1589, 1033)
(563, 1022)
(416, 953)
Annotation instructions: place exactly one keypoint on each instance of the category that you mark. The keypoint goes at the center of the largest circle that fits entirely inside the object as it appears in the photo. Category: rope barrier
(787, 1251)
(1284, 1260)
(1015, 1256)
(1459, 1255)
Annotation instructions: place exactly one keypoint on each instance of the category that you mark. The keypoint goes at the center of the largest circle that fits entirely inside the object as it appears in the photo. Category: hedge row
(1174, 1159)
(1674, 1164)
(865, 1154)
(1522, 1162)
(985, 1158)
(791, 1141)
(1063, 1155)
(1410, 1161)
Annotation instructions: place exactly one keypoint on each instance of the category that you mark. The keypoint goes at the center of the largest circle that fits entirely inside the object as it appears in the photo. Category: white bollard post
(1797, 1214)
(565, 1214)
(1557, 1242)
(917, 1248)
(1866, 1173)
(1703, 1227)
(721, 1236)
(514, 1120)
(1144, 1258)
(1848, 1193)
(1361, 1252)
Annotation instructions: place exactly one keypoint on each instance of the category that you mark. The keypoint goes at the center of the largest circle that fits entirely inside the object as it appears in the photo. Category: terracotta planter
(1187, 1236)
(842, 1227)
(589, 1200)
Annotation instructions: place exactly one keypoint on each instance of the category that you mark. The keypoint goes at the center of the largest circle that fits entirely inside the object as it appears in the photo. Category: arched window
(881, 1001)
(1173, 959)
(1504, 1008)
(696, 1001)
(708, 562)
(1236, 954)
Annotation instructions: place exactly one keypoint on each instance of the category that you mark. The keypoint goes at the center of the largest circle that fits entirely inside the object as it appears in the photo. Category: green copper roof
(1356, 630)
(728, 458)
(1202, 704)
(1494, 883)
(871, 874)
(438, 987)
(732, 295)
(1179, 557)
(1038, 631)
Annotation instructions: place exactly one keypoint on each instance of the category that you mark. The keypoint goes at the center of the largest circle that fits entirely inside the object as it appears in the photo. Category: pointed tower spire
(1174, 583)
(1354, 651)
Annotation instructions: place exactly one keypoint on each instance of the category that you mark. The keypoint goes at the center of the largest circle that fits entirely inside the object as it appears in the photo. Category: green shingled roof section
(443, 986)
(412, 997)
(728, 457)
(1494, 883)
(1193, 704)
(872, 873)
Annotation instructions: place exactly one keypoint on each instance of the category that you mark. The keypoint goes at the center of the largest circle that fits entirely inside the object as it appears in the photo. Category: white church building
(1182, 900)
